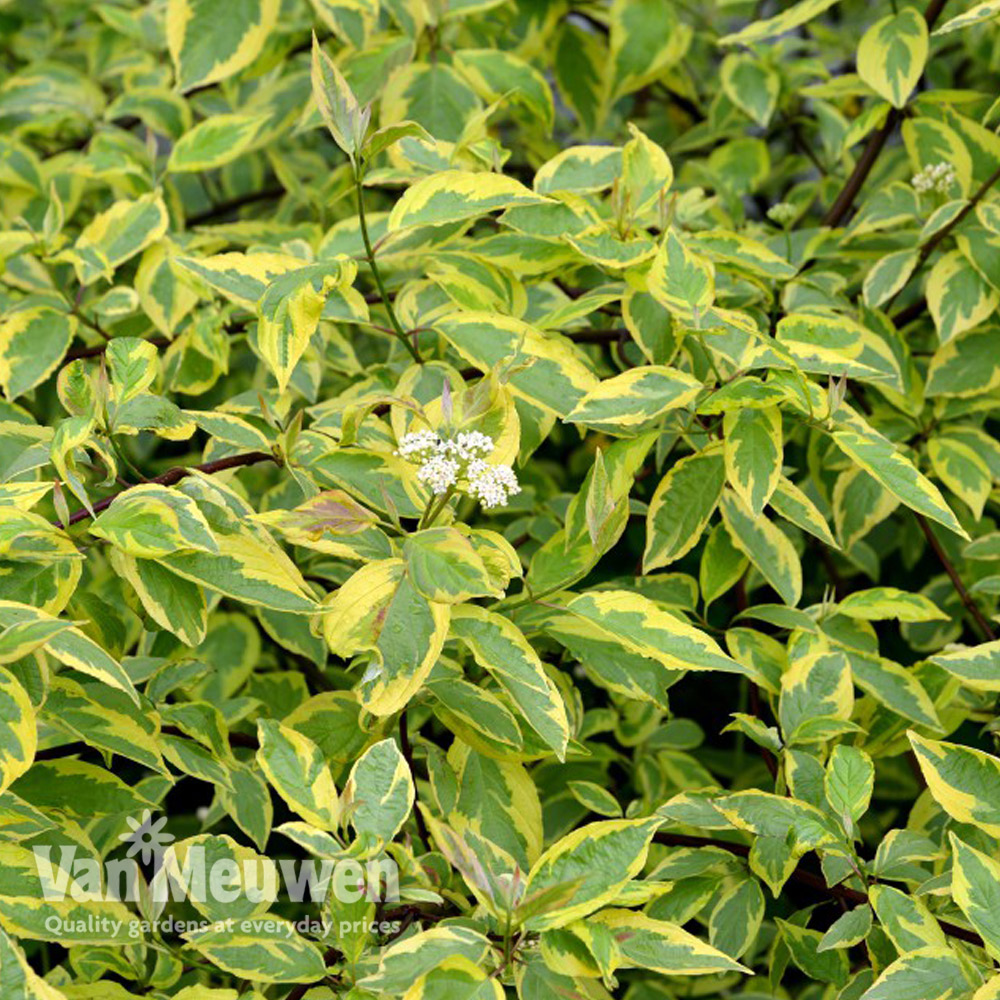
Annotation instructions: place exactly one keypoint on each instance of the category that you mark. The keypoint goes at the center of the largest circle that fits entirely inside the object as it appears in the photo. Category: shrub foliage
(534, 457)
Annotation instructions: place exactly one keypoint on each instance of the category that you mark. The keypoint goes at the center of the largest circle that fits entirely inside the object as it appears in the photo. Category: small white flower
(472, 444)
(439, 473)
(934, 177)
(418, 445)
(146, 837)
(492, 485)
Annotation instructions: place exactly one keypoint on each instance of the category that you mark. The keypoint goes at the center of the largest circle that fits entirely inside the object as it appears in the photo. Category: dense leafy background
(706, 708)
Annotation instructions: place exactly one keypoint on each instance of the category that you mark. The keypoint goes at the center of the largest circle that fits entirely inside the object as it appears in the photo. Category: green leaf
(642, 627)
(290, 311)
(445, 567)
(934, 973)
(78, 789)
(107, 719)
(433, 95)
(115, 236)
(963, 366)
(975, 887)
(379, 611)
(906, 920)
(579, 169)
(849, 929)
(889, 275)
(33, 341)
(635, 397)
(661, 946)
(780, 24)
(406, 960)
(849, 780)
(893, 470)
(214, 142)
(337, 104)
(206, 48)
(751, 85)
(72, 647)
(681, 280)
(594, 862)
(151, 521)
(959, 466)
(794, 505)
(964, 782)
(880, 603)
(803, 946)
(20, 978)
(790, 821)
(645, 39)
(499, 647)
(892, 54)
(682, 505)
(379, 792)
(578, 62)
(736, 918)
(817, 697)
(299, 773)
(753, 451)
(454, 195)
(134, 366)
(263, 949)
(495, 72)
(594, 798)
(977, 667)
(456, 977)
(957, 296)
(976, 14)
(545, 370)
(766, 546)
(18, 739)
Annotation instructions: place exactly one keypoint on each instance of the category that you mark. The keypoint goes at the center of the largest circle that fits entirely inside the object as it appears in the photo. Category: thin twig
(87, 321)
(224, 208)
(406, 748)
(377, 274)
(175, 475)
(596, 336)
(99, 349)
(742, 603)
(928, 248)
(876, 143)
(970, 605)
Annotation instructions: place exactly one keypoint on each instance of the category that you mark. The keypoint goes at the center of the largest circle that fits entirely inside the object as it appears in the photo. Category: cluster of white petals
(418, 446)
(445, 463)
(936, 177)
(468, 445)
(439, 473)
(492, 485)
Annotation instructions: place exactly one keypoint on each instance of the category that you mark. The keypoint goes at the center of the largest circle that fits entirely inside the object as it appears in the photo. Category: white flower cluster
(935, 177)
(445, 463)
(439, 473)
(491, 485)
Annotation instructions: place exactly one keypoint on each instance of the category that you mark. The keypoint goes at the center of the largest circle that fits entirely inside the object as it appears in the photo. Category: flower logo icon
(146, 838)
